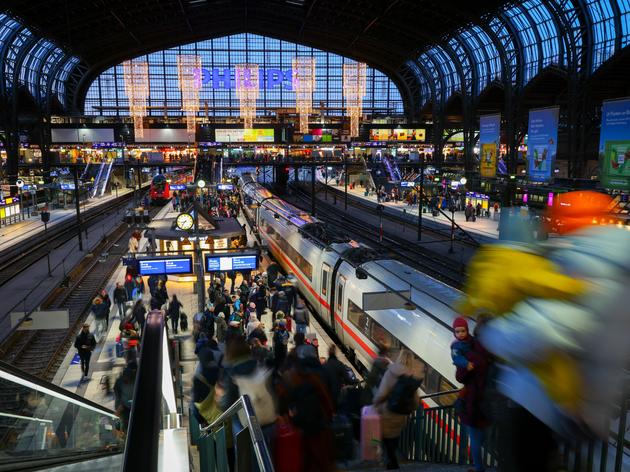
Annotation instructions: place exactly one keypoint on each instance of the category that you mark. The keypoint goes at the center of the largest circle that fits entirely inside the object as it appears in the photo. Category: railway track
(41, 352)
(13, 262)
(425, 260)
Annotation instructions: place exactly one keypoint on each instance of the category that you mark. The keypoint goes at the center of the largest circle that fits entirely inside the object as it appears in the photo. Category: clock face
(185, 221)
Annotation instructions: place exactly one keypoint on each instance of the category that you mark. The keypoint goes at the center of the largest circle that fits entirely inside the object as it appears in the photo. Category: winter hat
(460, 322)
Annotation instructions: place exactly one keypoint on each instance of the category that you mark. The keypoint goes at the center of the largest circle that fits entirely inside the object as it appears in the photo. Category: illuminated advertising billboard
(542, 143)
(418, 135)
(247, 135)
(614, 145)
(318, 135)
(489, 141)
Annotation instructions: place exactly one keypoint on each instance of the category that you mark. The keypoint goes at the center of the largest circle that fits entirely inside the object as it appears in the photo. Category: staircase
(102, 178)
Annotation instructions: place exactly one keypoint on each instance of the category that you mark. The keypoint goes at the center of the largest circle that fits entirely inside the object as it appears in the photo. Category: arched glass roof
(532, 35)
(106, 95)
(29, 60)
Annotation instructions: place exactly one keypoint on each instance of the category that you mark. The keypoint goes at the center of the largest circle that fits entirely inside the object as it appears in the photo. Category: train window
(302, 264)
(339, 294)
(359, 318)
(325, 271)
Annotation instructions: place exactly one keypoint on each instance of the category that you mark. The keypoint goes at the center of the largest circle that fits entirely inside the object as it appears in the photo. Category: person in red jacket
(469, 404)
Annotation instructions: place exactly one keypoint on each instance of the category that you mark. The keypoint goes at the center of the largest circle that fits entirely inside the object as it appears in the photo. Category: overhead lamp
(201, 183)
(463, 180)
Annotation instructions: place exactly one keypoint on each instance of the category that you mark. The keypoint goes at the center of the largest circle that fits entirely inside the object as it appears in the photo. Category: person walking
(120, 298)
(301, 317)
(139, 312)
(174, 310)
(85, 344)
(100, 311)
(396, 398)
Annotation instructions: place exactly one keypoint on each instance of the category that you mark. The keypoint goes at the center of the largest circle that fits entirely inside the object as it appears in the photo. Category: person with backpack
(396, 398)
(337, 374)
(301, 317)
(280, 342)
(374, 377)
(242, 375)
(221, 329)
(306, 401)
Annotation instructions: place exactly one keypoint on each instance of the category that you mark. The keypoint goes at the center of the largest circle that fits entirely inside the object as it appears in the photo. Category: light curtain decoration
(189, 75)
(354, 78)
(247, 90)
(303, 74)
(136, 75)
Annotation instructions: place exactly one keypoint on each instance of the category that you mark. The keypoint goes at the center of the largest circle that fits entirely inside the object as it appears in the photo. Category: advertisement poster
(318, 135)
(614, 145)
(397, 134)
(489, 142)
(542, 143)
(249, 135)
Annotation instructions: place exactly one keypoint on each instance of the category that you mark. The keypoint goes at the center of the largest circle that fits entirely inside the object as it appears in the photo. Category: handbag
(208, 407)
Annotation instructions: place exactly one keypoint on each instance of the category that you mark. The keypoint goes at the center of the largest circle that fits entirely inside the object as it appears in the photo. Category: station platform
(105, 363)
(17, 233)
(485, 227)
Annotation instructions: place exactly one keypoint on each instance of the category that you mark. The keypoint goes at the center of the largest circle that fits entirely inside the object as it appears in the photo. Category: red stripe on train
(307, 284)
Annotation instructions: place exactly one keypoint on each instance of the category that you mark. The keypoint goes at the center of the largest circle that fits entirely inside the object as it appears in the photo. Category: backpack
(402, 399)
(256, 386)
(308, 407)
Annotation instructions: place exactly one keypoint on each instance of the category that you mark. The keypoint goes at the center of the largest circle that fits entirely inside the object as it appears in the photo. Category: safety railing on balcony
(238, 427)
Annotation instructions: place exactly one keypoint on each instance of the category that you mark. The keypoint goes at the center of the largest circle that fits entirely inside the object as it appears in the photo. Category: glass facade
(106, 95)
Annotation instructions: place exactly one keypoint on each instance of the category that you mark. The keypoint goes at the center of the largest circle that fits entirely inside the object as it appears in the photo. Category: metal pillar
(77, 203)
(420, 196)
(346, 178)
(201, 285)
(313, 189)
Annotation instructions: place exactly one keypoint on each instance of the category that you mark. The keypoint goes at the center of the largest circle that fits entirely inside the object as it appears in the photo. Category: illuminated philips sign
(223, 78)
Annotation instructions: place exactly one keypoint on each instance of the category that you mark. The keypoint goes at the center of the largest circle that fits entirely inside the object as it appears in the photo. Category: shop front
(9, 210)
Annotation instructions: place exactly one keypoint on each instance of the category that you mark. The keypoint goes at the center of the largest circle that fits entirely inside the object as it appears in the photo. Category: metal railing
(248, 443)
(435, 434)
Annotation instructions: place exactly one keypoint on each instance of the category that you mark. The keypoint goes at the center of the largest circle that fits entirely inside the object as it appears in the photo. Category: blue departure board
(228, 262)
(165, 266)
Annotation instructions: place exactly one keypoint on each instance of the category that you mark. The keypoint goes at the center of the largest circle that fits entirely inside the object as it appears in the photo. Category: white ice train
(395, 303)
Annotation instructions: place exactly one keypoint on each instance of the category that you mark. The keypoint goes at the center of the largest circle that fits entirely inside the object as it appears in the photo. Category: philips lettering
(224, 78)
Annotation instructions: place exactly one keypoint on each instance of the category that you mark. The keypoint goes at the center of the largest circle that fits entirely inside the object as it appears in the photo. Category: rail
(435, 434)
(213, 440)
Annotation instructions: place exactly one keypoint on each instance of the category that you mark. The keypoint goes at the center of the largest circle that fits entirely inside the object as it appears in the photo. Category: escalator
(43, 426)
(97, 179)
(100, 185)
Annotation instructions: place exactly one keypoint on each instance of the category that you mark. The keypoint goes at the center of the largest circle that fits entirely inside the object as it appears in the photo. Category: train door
(339, 292)
(325, 281)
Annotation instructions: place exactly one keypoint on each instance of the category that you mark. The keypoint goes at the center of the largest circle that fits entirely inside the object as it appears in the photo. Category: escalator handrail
(54, 389)
(263, 457)
(142, 445)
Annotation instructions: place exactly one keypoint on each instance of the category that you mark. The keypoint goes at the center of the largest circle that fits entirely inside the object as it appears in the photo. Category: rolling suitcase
(120, 350)
(342, 438)
(370, 434)
(288, 453)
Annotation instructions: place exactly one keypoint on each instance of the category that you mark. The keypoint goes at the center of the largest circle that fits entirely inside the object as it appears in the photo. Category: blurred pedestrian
(85, 344)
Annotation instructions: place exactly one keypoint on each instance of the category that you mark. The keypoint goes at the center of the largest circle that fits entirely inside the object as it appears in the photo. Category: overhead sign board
(225, 187)
(41, 319)
(227, 262)
(165, 265)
